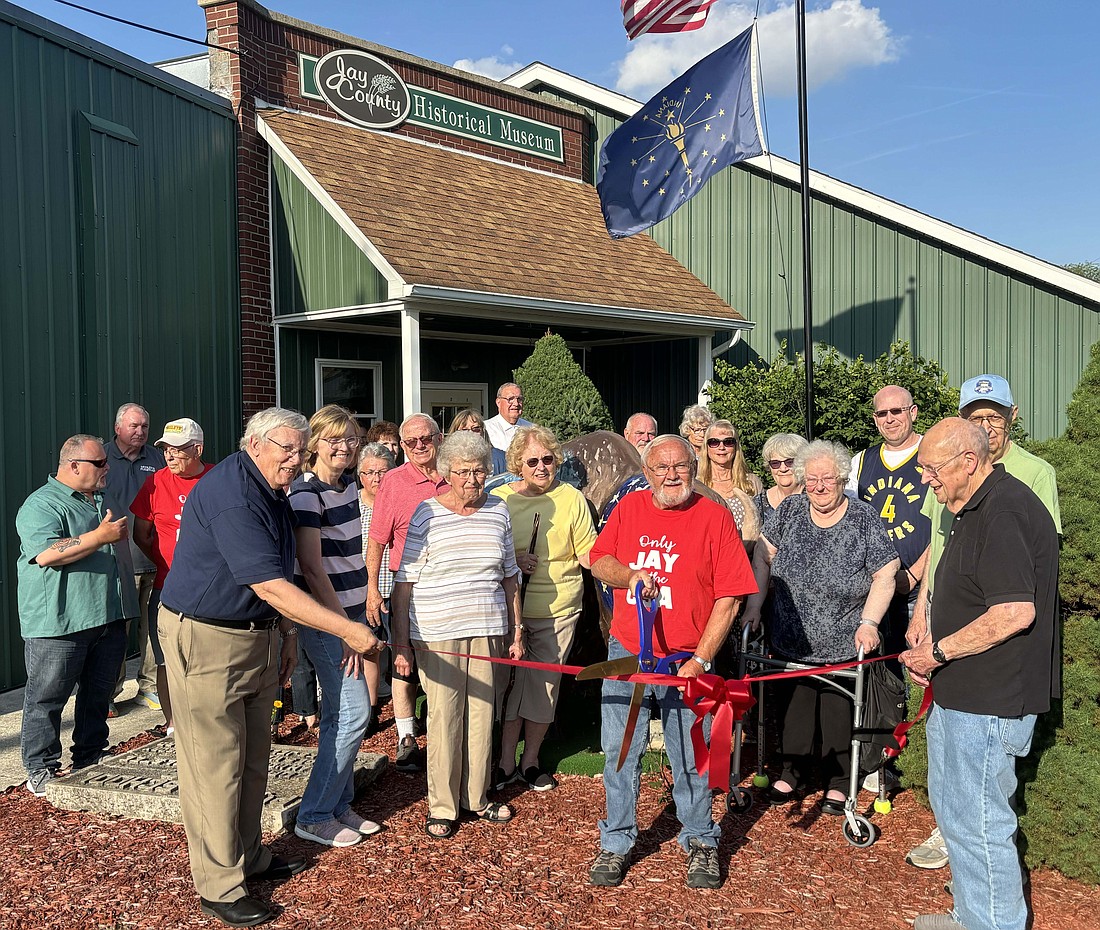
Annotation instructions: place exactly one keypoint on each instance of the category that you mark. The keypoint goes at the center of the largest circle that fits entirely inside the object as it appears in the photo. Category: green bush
(557, 394)
(762, 399)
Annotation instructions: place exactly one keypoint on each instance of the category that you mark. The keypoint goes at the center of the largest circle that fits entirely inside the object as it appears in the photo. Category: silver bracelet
(869, 623)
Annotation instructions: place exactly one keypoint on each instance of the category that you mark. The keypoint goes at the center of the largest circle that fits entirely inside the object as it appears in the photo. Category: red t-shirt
(696, 555)
(160, 501)
(402, 491)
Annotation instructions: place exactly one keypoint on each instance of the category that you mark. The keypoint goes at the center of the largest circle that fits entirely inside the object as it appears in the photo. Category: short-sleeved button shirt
(1002, 548)
(401, 493)
(59, 600)
(124, 479)
(236, 531)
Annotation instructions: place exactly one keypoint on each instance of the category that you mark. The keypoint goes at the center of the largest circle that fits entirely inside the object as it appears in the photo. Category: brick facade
(267, 70)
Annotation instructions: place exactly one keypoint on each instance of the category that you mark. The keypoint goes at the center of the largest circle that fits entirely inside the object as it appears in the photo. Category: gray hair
(507, 384)
(695, 415)
(129, 405)
(823, 449)
(417, 416)
(463, 446)
(640, 413)
(375, 450)
(267, 421)
(783, 446)
(648, 451)
(73, 447)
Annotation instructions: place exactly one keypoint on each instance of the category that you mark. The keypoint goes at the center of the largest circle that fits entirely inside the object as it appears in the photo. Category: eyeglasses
(373, 474)
(828, 481)
(344, 442)
(698, 429)
(516, 399)
(934, 470)
(290, 451)
(728, 441)
(546, 460)
(182, 452)
(680, 467)
(413, 441)
(98, 463)
(892, 412)
(776, 464)
(469, 429)
(994, 421)
(463, 473)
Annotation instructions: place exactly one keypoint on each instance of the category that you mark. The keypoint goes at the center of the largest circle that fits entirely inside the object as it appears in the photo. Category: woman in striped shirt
(456, 594)
(330, 566)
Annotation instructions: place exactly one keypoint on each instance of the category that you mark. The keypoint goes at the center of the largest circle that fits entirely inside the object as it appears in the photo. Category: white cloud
(842, 37)
(490, 66)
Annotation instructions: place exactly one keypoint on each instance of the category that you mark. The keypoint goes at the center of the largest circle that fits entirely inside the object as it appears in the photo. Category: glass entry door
(443, 399)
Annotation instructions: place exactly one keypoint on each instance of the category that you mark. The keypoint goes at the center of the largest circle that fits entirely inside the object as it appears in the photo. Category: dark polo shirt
(236, 531)
(1003, 547)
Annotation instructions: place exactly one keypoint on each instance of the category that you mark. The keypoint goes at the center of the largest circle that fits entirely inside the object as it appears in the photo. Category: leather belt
(252, 626)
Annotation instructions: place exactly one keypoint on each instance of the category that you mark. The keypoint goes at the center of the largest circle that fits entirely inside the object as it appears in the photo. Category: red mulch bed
(783, 868)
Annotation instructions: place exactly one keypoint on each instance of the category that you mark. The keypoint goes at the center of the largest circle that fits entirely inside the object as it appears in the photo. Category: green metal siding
(118, 276)
(317, 267)
(874, 283)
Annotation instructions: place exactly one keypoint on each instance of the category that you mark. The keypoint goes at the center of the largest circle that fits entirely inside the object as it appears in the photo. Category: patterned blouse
(385, 576)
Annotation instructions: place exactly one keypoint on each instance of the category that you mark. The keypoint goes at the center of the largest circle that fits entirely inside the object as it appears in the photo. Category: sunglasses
(413, 441)
(728, 441)
(776, 464)
(546, 460)
(893, 412)
(98, 463)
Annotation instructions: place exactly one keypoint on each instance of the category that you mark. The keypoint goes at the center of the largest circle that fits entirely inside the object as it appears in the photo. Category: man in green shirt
(985, 401)
(72, 609)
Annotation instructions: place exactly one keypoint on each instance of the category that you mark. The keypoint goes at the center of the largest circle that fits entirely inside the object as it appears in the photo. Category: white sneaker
(328, 833)
(931, 854)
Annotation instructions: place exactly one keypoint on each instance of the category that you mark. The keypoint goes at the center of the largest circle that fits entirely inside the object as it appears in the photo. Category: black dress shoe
(279, 869)
(244, 912)
(832, 807)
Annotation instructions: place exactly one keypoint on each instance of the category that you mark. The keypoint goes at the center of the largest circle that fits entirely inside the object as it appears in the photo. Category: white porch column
(705, 366)
(410, 361)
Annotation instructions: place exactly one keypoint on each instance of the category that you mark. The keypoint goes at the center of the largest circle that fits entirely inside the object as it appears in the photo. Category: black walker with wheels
(857, 828)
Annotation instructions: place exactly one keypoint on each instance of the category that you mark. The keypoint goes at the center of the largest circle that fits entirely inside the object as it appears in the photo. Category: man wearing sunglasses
(73, 607)
(401, 493)
(887, 477)
(500, 429)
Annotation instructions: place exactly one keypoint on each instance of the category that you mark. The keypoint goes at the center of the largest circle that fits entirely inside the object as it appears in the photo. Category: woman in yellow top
(552, 602)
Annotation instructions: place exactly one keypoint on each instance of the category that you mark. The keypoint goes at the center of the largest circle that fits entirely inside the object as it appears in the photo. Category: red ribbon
(901, 731)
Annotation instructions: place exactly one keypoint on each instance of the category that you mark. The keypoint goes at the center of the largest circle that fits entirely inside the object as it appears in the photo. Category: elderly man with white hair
(500, 429)
(229, 596)
(640, 429)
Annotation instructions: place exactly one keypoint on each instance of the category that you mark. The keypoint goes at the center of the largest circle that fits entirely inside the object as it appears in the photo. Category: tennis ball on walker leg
(761, 781)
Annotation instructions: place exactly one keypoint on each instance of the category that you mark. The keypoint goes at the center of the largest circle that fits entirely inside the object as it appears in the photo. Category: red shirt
(696, 555)
(160, 501)
(403, 489)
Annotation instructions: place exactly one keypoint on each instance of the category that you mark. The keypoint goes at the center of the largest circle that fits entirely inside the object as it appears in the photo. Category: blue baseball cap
(993, 389)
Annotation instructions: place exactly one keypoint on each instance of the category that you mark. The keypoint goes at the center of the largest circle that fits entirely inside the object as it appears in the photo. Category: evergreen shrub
(558, 394)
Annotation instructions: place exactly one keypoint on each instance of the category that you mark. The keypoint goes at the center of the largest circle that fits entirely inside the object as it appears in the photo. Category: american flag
(642, 16)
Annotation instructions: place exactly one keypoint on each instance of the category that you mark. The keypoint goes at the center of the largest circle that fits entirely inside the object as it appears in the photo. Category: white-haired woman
(456, 594)
(693, 426)
(779, 453)
(552, 601)
(832, 566)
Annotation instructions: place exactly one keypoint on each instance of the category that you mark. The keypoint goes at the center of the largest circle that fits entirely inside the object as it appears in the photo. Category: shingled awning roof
(434, 218)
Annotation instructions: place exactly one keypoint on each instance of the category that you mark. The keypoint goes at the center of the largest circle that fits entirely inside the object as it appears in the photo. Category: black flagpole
(804, 159)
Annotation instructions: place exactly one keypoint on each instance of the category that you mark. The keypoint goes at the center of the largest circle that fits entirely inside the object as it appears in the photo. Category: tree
(558, 394)
(1090, 270)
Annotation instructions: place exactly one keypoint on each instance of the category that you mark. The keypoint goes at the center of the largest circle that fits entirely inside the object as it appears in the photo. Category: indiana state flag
(662, 156)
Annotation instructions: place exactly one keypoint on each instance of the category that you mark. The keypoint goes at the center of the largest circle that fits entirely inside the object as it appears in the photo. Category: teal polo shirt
(60, 600)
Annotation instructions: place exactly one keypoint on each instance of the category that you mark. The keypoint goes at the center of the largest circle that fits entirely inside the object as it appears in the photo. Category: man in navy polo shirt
(993, 655)
(231, 580)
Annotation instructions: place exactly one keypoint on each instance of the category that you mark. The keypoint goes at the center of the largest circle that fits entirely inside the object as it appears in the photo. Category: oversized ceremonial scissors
(644, 661)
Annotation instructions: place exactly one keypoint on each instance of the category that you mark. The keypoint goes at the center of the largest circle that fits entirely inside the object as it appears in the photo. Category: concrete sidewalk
(134, 718)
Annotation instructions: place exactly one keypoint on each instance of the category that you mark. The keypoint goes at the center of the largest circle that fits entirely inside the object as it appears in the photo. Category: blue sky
(975, 112)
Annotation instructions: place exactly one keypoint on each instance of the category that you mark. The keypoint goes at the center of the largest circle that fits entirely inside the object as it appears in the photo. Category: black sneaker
(702, 867)
(608, 870)
(502, 779)
(538, 780)
(410, 757)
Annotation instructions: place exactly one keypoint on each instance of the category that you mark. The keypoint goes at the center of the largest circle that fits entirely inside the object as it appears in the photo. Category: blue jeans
(690, 791)
(345, 713)
(971, 784)
(87, 660)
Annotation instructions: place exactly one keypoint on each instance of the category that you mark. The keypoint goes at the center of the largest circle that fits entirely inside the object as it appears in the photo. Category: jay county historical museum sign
(367, 91)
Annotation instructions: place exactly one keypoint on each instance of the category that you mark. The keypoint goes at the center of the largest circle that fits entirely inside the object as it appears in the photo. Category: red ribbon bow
(728, 702)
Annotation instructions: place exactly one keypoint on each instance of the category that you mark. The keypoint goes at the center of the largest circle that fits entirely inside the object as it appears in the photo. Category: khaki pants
(461, 705)
(223, 684)
(147, 675)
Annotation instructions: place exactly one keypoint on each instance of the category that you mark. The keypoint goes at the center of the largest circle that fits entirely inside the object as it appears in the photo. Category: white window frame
(320, 364)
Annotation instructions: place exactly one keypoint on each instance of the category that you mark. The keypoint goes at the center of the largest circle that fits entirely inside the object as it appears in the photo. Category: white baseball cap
(181, 432)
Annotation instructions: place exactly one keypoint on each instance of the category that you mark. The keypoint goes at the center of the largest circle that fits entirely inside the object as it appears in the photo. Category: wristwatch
(707, 666)
(937, 653)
